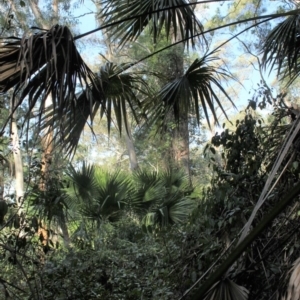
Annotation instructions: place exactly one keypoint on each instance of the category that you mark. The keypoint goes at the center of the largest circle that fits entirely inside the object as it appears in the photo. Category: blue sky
(245, 71)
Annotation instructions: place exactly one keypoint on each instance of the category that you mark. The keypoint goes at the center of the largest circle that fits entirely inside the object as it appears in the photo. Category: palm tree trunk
(180, 145)
(180, 133)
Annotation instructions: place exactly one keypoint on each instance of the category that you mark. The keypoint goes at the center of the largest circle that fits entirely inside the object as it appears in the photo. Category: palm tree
(161, 198)
(281, 50)
(158, 199)
(58, 68)
(100, 195)
(48, 62)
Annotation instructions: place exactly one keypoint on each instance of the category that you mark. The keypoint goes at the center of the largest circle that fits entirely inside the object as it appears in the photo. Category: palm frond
(83, 181)
(180, 210)
(69, 127)
(227, 290)
(171, 209)
(102, 194)
(112, 92)
(160, 198)
(176, 17)
(43, 63)
(149, 190)
(282, 48)
(121, 90)
(175, 180)
(194, 89)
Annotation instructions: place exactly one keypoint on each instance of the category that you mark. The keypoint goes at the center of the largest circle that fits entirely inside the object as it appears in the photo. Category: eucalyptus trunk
(17, 156)
(133, 163)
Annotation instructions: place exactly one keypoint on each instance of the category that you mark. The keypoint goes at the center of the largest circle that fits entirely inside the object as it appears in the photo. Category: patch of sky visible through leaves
(91, 44)
(242, 54)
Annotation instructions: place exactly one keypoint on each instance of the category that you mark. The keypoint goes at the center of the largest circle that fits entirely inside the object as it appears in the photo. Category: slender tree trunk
(17, 155)
(2, 185)
(133, 163)
(47, 146)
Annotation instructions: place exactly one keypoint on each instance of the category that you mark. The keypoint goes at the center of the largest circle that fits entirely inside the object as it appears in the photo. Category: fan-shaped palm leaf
(160, 197)
(113, 93)
(102, 194)
(170, 209)
(83, 181)
(43, 63)
(121, 90)
(227, 290)
(186, 93)
(175, 180)
(282, 47)
(149, 190)
(175, 16)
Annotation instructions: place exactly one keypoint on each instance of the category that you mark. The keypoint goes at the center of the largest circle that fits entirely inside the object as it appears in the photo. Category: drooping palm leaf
(194, 89)
(242, 246)
(121, 90)
(69, 127)
(178, 21)
(43, 63)
(112, 93)
(282, 48)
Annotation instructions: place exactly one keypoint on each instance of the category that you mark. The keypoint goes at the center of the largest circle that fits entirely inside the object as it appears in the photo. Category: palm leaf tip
(281, 48)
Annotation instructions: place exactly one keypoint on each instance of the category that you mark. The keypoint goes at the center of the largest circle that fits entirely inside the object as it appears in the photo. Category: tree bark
(133, 163)
(180, 146)
(180, 132)
(17, 155)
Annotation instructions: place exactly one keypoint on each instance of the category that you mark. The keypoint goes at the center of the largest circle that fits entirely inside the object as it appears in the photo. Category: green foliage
(110, 256)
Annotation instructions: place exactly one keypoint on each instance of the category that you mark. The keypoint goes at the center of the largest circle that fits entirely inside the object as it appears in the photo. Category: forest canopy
(162, 166)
